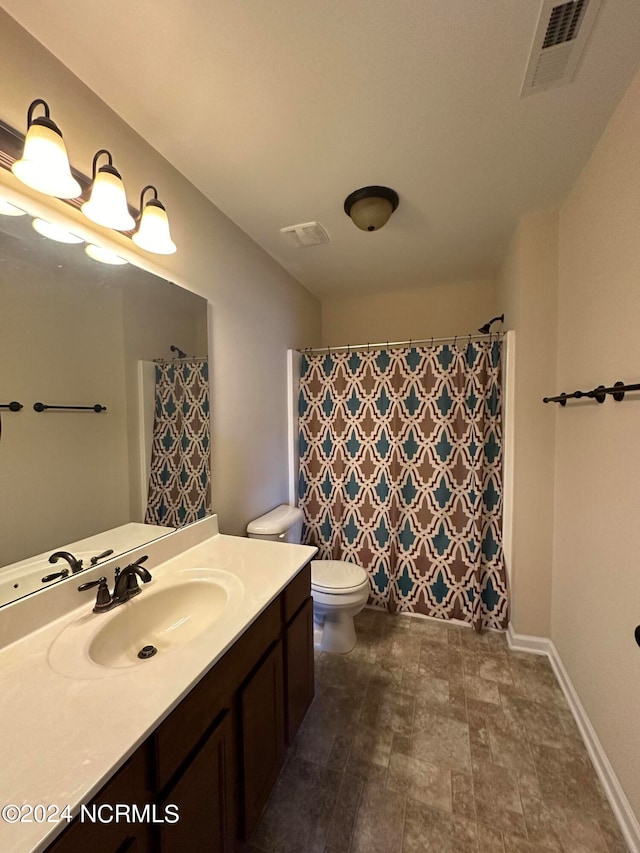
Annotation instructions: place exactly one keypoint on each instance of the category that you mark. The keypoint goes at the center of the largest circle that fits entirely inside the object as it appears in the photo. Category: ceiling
(277, 110)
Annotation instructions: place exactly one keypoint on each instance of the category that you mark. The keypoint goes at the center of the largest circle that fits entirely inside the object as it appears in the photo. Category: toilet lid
(336, 576)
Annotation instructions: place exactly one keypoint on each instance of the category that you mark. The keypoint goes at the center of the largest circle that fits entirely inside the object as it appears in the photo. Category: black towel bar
(42, 407)
(13, 406)
(599, 394)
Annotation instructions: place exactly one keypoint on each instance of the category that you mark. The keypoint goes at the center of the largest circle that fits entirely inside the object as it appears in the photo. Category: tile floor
(429, 737)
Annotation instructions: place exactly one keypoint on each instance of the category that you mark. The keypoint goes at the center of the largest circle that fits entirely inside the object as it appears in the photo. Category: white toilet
(340, 590)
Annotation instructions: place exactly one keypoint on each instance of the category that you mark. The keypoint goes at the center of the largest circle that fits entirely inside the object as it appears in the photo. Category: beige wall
(596, 571)
(50, 460)
(438, 311)
(258, 309)
(528, 297)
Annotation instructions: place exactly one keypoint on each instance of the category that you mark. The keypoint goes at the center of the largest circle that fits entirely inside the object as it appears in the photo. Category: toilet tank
(282, 524)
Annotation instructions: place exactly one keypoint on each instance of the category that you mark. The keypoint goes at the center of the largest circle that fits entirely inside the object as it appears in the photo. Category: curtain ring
(368, 347)
(455, 342)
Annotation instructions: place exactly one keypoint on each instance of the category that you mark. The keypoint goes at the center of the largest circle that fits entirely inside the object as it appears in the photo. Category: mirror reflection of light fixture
(8, 209)
(153, 226)
(107, 205)
(104, 255)
(55, 232)
(44, 165)
(371, 207)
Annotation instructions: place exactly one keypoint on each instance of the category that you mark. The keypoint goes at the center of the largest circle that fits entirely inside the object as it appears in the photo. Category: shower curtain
(401, 473)
(179, 482)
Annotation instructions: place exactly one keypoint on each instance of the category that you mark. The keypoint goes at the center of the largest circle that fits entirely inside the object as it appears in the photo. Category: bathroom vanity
(195, 735)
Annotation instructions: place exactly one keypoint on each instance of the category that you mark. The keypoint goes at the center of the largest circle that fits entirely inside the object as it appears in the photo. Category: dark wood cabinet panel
(262, 735)
(298, 668)
(106, 835)
(204, 798)
(218, 754)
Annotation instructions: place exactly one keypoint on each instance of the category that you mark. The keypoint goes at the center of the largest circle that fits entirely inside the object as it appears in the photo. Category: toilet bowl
(339, 589)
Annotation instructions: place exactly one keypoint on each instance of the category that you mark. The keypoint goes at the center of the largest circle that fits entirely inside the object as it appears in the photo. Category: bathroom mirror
(77, 332)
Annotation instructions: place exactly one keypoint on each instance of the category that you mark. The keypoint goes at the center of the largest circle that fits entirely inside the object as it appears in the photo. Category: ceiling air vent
(306, 234)
(562, 32)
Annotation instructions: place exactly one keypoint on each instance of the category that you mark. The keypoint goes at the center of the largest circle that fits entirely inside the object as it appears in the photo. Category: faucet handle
(99, 557)
(103, 599)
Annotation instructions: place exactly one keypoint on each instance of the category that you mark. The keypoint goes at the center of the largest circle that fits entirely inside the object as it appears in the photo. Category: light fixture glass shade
(8, 209)
(44, 165)
(107, 205)
(371, 207)
(153, 231)
(104, 255)
(55, 232)
(369, 214)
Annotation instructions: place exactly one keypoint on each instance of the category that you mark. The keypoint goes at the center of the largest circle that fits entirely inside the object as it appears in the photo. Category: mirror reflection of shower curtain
(180, 479)
(401, 473)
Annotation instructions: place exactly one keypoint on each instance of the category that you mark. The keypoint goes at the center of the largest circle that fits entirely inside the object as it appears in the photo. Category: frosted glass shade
(55, 232)
(44, 165)
(108, 203)
(370, 214)
(104, 255)
(153, 232)
(8, 209)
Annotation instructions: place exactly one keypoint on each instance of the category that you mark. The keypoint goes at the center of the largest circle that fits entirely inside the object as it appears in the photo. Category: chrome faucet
(125, 586)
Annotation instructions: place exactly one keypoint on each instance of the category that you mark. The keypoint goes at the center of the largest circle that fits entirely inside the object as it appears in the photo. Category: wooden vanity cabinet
(217, 755)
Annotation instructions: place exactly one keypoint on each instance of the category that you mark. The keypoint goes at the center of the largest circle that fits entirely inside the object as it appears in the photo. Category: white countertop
(64, 737)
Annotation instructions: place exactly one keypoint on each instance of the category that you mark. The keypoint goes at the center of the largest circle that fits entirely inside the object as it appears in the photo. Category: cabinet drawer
(184, 728)
(296, 593)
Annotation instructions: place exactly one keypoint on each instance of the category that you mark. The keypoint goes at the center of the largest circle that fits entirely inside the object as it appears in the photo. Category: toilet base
(334, 632)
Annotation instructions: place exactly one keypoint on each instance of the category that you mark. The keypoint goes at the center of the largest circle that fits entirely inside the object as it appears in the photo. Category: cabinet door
(262, 735)
(204, 798)
(298, 668)
(107, 835)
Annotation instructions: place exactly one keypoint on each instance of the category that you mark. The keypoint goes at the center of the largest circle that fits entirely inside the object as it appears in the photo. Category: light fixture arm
(155, 195)
(43, 121)
(109, 165)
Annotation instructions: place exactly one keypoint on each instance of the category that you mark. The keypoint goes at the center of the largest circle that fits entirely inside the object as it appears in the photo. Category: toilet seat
(337, 577)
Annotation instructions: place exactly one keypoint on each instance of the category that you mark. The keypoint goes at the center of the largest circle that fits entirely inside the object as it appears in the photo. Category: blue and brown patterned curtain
(401, 473)
(179, 484)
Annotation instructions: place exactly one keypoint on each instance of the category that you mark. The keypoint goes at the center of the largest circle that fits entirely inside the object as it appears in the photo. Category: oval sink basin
(171, 616)
(167, 614)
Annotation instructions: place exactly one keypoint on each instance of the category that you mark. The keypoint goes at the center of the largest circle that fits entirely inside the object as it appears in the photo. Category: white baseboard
(618, 801)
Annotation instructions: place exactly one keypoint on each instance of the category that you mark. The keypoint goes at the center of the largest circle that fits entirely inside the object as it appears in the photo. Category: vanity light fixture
(371, 207)
(55, 232)
(8, 209)
(44, 165)
(107, 205)
(152, 233)
(104, 255)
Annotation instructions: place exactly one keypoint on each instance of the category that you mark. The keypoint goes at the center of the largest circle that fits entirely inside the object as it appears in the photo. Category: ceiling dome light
(44, 165)
(107, 205)
(371, 207)
(8, 209)
(104, 255)
(153, 228)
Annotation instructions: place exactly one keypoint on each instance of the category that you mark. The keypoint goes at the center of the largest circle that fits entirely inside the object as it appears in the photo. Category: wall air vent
(560, 38)
(306, 234)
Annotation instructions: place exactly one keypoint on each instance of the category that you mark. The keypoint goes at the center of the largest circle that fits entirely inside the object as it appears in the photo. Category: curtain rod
(410, 342)
(180, 360)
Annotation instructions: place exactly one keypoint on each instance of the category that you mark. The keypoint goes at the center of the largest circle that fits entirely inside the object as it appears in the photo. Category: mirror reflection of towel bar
(42, 407)
(13, 406)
